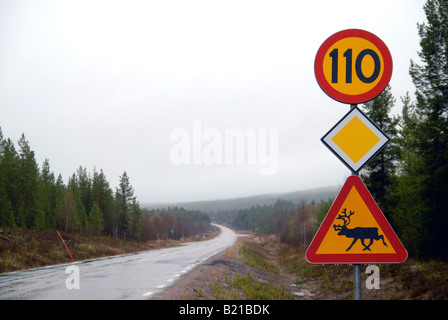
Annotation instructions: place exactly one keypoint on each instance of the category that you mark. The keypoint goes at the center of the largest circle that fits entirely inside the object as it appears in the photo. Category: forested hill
(213, 206)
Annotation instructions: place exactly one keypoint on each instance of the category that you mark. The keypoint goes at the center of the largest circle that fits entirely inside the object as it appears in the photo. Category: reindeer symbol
(357, 233)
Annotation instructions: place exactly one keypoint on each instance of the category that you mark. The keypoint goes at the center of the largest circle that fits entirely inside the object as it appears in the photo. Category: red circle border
(342, 97)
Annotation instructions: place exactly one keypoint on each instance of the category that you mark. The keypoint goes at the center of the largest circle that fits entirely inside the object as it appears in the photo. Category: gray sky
(105, 83)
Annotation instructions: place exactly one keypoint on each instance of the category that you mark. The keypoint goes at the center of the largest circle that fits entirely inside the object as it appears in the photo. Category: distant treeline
(173, 223)
(294, 223)
(32, 197)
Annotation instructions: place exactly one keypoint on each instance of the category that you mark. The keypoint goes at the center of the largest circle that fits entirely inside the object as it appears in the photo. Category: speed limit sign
(353, 66)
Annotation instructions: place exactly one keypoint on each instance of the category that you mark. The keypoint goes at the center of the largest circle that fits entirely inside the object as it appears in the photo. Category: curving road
(131, 276)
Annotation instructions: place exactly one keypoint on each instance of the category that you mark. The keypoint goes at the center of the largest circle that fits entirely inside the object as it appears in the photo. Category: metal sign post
(357, 295)
(357, 282)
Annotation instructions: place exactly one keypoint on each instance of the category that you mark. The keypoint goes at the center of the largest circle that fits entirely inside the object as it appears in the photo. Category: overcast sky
(106, 83)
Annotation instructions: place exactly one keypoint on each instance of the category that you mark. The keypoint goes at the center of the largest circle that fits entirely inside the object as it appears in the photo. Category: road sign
(355, 231)
(355, 139)
(353, 66)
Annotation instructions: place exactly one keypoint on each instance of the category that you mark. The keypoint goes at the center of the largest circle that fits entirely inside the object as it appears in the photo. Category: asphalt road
(132, 276)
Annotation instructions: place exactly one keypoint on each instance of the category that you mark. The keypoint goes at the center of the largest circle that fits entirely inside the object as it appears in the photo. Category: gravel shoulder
(201, 282)
(191, 284)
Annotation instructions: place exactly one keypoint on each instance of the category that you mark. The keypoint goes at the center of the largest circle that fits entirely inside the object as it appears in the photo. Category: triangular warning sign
(355, 231)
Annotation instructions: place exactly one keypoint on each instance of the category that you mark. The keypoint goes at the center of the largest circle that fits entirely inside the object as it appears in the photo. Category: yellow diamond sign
(355, 139)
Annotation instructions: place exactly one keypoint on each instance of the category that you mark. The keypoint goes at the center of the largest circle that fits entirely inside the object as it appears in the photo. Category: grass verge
(245, 287)
(411, 280)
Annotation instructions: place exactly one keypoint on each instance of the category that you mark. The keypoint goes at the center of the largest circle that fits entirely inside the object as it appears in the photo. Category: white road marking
(147, 294)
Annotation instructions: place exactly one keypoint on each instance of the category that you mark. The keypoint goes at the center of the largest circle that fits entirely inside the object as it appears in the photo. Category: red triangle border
(400, 254)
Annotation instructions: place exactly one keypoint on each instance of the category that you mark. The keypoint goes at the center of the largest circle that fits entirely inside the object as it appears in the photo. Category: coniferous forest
(409, 178)
(33, 197)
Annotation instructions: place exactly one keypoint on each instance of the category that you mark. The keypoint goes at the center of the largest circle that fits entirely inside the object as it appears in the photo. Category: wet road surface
(132, 276)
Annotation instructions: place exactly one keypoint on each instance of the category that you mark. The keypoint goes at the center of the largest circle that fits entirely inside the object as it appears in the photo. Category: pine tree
(408, 218)
(102, 194)
(51, 193)
(1, 144)
(136, 220)
(30, 207)
(79, 215)
(95, 220)
(67, 219)
(123, 199)
(6, 208)
(84, 188)
(379, 172)
(10, 183)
